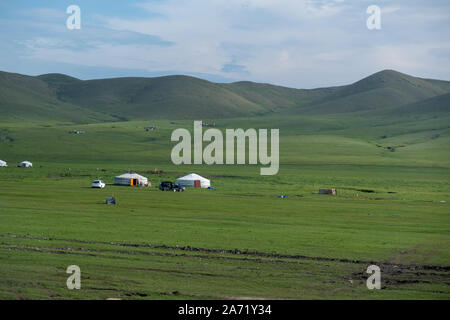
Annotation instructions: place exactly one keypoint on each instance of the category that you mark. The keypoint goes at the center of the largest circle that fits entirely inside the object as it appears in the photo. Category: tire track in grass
(235, 252)
(394, 276)
(88, 251)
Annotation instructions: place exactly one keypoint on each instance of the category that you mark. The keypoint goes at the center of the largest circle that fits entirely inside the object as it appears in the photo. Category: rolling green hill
(24, 98)
(276, 98)
(183, 97)
(385, 89)
(55, 80)
(57, 97)
(439, 104)
(165, 97)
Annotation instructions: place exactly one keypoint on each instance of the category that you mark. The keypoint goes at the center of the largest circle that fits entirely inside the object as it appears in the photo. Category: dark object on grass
(170, 186)
(331, 191)
(110, 200)
(391, 149)
(77, 132)
(155, 171)
(283, 196)
(366, 190)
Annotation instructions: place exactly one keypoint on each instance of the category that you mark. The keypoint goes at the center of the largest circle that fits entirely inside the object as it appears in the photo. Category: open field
(239, 240)
(338, 113)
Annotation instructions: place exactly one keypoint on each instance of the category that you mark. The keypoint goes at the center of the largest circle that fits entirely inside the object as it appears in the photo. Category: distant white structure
(193, 180)
(131, 179)
(25, 164)
(3, 163)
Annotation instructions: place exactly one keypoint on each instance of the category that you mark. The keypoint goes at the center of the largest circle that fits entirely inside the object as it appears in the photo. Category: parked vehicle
(170, 186)
(98, 184)
(25, 164)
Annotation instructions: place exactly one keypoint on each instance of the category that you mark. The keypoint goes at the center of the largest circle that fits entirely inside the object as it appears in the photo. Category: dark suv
(170, 186)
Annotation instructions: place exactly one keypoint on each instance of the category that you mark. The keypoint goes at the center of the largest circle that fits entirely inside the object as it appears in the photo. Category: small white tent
(25, 164)
(131, 179)
(3, 163)
(193, 180)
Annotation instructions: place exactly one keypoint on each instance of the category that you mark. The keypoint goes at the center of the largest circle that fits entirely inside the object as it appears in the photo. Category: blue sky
(296, 43)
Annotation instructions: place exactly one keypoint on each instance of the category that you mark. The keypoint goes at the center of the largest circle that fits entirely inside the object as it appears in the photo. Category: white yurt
(3, 163)
(193, 180)
(131, 179)
(25, 164)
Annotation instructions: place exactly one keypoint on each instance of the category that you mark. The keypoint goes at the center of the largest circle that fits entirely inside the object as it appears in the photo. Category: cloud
(92, 37)
(211, 34)
(302, 43)
(234, 68)
(44, 14)
(390, 9)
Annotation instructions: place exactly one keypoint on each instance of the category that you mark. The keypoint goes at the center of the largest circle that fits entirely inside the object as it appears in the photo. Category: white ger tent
(131, 179)
(25, 164)
(193, 180)
(3, 163)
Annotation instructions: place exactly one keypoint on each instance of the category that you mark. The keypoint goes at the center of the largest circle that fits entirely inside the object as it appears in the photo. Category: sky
(294, 43)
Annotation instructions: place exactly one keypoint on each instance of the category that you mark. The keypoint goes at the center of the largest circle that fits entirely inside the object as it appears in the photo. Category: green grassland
(239, 240)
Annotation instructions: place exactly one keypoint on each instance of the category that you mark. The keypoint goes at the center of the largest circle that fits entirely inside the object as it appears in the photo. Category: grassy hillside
(55, 80)
(56, 97)
(439, 105)
(385, 89)
(182, 97)
(276, 98)
(24, 98)
(166, 97)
